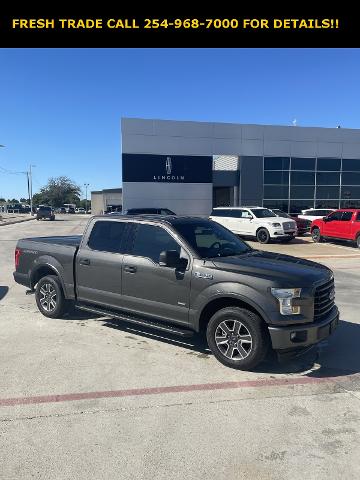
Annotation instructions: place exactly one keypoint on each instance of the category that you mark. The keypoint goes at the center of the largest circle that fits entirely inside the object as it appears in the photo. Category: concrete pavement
(119, 402)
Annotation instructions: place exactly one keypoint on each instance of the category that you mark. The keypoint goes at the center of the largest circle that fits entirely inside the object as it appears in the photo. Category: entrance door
(222, 196)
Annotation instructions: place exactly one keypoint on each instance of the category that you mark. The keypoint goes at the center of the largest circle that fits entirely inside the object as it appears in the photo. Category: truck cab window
(150, 241)
(107, 236)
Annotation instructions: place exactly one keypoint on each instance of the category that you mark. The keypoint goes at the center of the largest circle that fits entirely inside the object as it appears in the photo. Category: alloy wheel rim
(233, 339)
(48, 297)
(262, 236)
(316, 234)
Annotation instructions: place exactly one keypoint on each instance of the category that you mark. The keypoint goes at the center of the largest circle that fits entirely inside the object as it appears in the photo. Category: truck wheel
(358, 241)
(50, 297)
(262, 235)
(317, 238)
(237, 337)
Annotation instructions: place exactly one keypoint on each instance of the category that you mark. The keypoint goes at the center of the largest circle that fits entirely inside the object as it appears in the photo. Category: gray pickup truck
(183, 275)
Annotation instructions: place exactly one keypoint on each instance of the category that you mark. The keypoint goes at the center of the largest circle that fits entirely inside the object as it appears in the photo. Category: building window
(350, 178)
(296, 206)
(279, 204)
(276, 177)
(351, 165)
(302, 178)
(303, 163)
(327, 178)
(276, 191)
(302, 183)
(350, 192)
(327, 192)
(299, 192)
(276, 163)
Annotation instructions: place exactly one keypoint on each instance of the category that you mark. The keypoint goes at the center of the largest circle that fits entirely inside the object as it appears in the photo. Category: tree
(2, 200)
(83, 204)
(13, 200)
(24, 200)
(57, 191)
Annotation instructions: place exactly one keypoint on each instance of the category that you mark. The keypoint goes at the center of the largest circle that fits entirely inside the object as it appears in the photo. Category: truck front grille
(324, 299)
(289, 226)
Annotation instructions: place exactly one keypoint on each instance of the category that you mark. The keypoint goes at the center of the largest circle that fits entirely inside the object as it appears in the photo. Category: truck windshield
(209, 239)
(263, 213)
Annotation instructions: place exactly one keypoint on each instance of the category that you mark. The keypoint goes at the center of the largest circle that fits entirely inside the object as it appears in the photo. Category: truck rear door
(98, 264)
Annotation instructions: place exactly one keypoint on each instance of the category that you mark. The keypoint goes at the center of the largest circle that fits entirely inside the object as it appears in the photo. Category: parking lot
(88, 398)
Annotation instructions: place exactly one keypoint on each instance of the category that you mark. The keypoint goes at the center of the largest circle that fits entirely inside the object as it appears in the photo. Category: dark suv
(45, 212)
(149, 211)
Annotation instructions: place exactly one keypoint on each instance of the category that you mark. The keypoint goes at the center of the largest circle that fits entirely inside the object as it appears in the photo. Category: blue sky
(60, 109)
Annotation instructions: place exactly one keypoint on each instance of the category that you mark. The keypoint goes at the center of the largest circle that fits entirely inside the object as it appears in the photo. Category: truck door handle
(129, 269)
(85, 261)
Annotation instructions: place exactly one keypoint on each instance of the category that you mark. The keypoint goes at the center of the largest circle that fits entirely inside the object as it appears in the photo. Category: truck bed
(71, 240)
(57, 251)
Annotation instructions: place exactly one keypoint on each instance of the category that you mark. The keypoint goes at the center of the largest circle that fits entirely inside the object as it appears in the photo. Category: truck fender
(51, 263)
(238, 292)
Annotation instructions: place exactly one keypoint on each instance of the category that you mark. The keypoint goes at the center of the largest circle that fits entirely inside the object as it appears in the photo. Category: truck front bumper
(299, 336)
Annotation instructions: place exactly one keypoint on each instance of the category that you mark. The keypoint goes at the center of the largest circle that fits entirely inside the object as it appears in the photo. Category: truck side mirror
(170, 258)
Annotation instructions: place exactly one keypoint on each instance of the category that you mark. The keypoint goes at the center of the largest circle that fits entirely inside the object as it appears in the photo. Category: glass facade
(294, 184)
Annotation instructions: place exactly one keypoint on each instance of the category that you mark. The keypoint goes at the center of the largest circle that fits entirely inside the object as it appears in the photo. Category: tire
(263, 236)
(315, 234)
(244, 323)
(358, 241)
(56, 305)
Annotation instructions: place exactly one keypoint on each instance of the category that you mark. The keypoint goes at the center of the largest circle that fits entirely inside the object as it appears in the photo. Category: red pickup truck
(342, 224)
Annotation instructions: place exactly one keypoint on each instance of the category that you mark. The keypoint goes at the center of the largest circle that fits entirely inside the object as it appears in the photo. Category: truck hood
(283, 269)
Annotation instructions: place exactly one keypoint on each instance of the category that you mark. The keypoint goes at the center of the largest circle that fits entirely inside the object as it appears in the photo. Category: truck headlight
(276, 224)
(285, 297)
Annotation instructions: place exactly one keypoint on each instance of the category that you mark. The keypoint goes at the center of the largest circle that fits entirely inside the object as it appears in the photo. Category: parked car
(315, 213)
(244, 300)
(148, 211)
(45, 212)
(257, 222)
(302, 225)
(80, 210)
(71, 210)
(339, 225)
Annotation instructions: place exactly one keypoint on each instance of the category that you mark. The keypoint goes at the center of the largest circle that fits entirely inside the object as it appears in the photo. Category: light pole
(30, 189)
(86, 187)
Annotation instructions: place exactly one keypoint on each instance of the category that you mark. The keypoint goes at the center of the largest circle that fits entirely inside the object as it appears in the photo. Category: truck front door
(151, 289)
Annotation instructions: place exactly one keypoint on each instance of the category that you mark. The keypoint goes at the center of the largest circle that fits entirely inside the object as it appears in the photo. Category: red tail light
(17, 257)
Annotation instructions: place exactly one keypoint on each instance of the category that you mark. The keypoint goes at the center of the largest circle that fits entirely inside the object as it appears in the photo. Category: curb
(2, 224)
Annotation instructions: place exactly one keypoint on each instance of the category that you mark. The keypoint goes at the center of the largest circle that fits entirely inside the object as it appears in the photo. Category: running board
(182, 332)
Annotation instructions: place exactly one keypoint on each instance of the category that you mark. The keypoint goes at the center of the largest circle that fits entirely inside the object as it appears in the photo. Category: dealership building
(189, 167)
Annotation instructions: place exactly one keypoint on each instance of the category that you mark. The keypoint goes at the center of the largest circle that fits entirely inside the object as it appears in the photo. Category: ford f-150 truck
(183, 275)
(339, 225)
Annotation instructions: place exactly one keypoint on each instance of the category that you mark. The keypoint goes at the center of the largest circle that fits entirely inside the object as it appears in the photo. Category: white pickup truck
(257, 222)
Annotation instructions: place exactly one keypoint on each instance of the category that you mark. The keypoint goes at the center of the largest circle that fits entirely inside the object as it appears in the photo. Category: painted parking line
(70, 397)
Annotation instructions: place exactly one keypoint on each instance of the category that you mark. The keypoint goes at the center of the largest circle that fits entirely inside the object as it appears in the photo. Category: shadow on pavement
(3, 291)
(337, 356)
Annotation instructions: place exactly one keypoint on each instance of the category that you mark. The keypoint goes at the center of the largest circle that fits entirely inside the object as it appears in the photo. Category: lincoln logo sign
(166, 168)
(168, 177)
